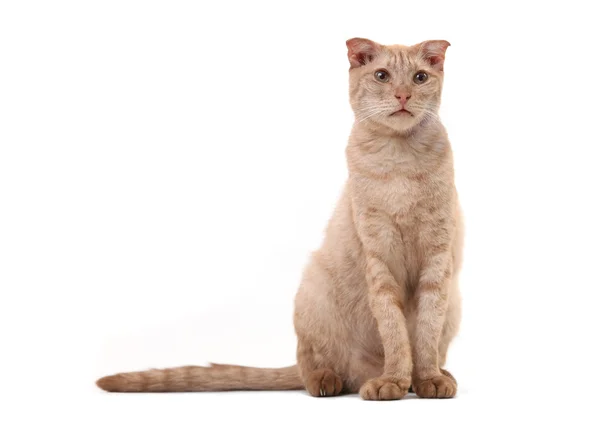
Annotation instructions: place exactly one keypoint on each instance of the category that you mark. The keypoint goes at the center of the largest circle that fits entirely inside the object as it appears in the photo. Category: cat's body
(379, 302)
(400, 205)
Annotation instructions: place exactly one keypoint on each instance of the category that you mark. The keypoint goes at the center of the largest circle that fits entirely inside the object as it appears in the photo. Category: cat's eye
(382, 75)
(420, 77)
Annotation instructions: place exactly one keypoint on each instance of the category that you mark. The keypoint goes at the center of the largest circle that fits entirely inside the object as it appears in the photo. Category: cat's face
(395, 86)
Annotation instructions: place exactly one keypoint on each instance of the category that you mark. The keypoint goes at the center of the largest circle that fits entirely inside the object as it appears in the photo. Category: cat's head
(394, 85)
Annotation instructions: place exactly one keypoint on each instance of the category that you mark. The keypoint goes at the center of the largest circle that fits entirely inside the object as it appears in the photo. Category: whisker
(376, 113)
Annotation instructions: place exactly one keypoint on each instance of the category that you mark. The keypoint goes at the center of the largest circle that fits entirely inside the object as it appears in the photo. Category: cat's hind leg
(321, 353)
(451, 324)
(317, 371)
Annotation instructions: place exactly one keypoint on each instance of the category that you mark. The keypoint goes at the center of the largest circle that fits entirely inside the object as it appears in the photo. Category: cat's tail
(203, 379)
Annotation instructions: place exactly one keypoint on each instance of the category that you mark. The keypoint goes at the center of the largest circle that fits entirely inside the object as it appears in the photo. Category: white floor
(279, 412)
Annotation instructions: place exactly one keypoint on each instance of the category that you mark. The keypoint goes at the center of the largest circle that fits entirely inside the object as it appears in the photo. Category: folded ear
(361, 51)
(434, 52)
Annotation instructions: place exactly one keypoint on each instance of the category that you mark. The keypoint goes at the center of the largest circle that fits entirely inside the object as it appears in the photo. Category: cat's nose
(403, 97)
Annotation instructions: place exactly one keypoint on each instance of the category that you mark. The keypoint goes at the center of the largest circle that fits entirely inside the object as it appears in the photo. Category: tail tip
(110, 383)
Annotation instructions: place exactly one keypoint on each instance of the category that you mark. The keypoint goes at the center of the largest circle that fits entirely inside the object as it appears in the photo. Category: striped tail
(203, 379)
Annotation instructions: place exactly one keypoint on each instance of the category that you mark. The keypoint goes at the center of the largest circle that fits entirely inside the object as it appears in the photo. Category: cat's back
(341, 253)
(333, 289)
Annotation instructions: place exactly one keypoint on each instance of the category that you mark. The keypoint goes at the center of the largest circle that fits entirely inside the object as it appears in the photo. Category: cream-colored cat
(379, 302)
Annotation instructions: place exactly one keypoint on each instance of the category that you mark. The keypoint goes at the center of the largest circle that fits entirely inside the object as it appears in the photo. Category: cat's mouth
(402, 112)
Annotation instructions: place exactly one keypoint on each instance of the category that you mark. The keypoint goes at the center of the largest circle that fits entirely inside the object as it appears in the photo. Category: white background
(166, 168)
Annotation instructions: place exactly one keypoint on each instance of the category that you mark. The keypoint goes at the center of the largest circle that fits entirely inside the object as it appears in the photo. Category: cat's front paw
(440, 386)
(384, 388)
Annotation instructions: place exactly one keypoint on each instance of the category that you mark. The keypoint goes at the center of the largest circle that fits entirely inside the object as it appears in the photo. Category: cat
(379, 302)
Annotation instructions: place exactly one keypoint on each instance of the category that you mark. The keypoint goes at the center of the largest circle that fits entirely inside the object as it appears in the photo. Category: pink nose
(403, 97)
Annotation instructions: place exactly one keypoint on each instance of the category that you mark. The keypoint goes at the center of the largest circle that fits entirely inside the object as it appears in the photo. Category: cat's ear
(361, 51)
(434, 52)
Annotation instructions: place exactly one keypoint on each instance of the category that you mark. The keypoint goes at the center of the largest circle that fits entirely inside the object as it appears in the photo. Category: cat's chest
(415, 208)
(403, 197)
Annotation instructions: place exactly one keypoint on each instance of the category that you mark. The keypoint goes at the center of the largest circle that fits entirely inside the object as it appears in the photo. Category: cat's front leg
(386, 300)
(429, 381)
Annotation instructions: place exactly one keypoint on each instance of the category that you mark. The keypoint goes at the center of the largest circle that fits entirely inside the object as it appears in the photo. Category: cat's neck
(427, 138)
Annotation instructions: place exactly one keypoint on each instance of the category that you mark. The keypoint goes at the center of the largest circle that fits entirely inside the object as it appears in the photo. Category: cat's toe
(384, 389)
(323, 382)
(440, 386)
